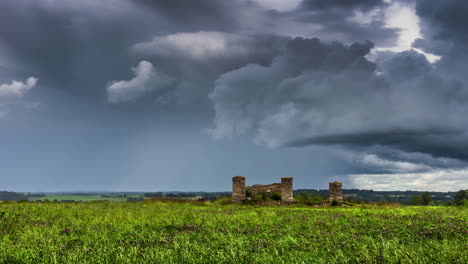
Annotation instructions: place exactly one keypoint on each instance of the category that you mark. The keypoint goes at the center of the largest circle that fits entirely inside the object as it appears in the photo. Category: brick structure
(335, 192)
(238, 188)
(285, 188)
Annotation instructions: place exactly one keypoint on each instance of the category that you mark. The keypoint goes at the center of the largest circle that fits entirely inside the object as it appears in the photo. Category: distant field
(83, 198)
(212, 232)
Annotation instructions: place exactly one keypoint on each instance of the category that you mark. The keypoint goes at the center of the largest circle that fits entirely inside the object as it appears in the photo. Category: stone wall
(238, 188)
(335, 191)
(258, 188)
(285, 188)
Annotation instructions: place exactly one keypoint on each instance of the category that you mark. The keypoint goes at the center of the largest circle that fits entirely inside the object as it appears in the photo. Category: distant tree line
(403, 197)
(15, 196)
(308, 196)
(206, 195)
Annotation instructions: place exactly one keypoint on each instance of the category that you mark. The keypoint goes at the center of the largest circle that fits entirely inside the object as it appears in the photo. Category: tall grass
(204, 232)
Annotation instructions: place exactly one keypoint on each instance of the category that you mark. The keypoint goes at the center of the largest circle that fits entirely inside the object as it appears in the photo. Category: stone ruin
(285, 188)
(335, 192)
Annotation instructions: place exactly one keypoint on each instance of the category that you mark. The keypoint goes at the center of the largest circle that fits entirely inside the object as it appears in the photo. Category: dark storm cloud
(421, 158)
(319, 93)
(75, 48)
(69, 44)
(443, 25)
(444, 20)
(218, 15)
(197, 59)
(85, 48)
(256, 93)
(440, 144)
(343, 4)
(102, 65)
(346, 21)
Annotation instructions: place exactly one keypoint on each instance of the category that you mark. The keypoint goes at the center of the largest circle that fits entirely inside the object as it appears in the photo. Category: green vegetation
(401, 197)
(14, 196)
(310, 198)
(416, 200)
(82, 198)
(266, 196)
(426, 198)
(221, 232)
(317, 196)
(461, 197)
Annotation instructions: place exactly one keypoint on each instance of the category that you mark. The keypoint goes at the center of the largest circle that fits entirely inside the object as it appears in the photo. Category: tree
(426, 198)
(416, 200)
(461, 197)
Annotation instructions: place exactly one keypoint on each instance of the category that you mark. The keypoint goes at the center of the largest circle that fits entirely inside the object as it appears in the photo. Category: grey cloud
(334, 96)
(212, 47)
(197, 59)
(333, 20)
(85, 48)
(437, 143)
(327, 4)
(405, 66)
(443, 26)
(400, 111)
(342, 20)
(443, 20)
(202, 14)
(395, 155)
(278, 94)
(63, 42)
(84, 42)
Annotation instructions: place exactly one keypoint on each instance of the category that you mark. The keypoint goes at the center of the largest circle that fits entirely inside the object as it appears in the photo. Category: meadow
(220, 232)
(81, 198)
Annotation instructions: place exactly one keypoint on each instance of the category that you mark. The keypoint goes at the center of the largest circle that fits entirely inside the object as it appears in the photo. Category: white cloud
(9, 92)
(17, 89)
(146, 80)
(434, 180)
(403, 16)
(197, 45)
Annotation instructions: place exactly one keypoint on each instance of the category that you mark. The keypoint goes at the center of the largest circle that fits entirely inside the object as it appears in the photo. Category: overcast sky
(156, 95)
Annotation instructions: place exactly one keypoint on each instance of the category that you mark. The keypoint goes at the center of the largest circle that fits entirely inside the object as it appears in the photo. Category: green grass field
(82, 198)
(171, 232)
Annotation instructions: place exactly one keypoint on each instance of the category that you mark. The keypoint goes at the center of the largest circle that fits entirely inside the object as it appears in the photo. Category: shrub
(426, 198)
(416, 200)
(266, 196)
(276, 196)
(309, 198)
(262, 196)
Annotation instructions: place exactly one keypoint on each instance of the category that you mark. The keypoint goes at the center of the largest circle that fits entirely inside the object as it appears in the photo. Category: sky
(156, 95)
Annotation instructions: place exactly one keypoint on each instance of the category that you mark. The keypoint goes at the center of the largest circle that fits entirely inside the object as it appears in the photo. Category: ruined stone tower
(335, 191)
(238, 188)
(285, 188)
